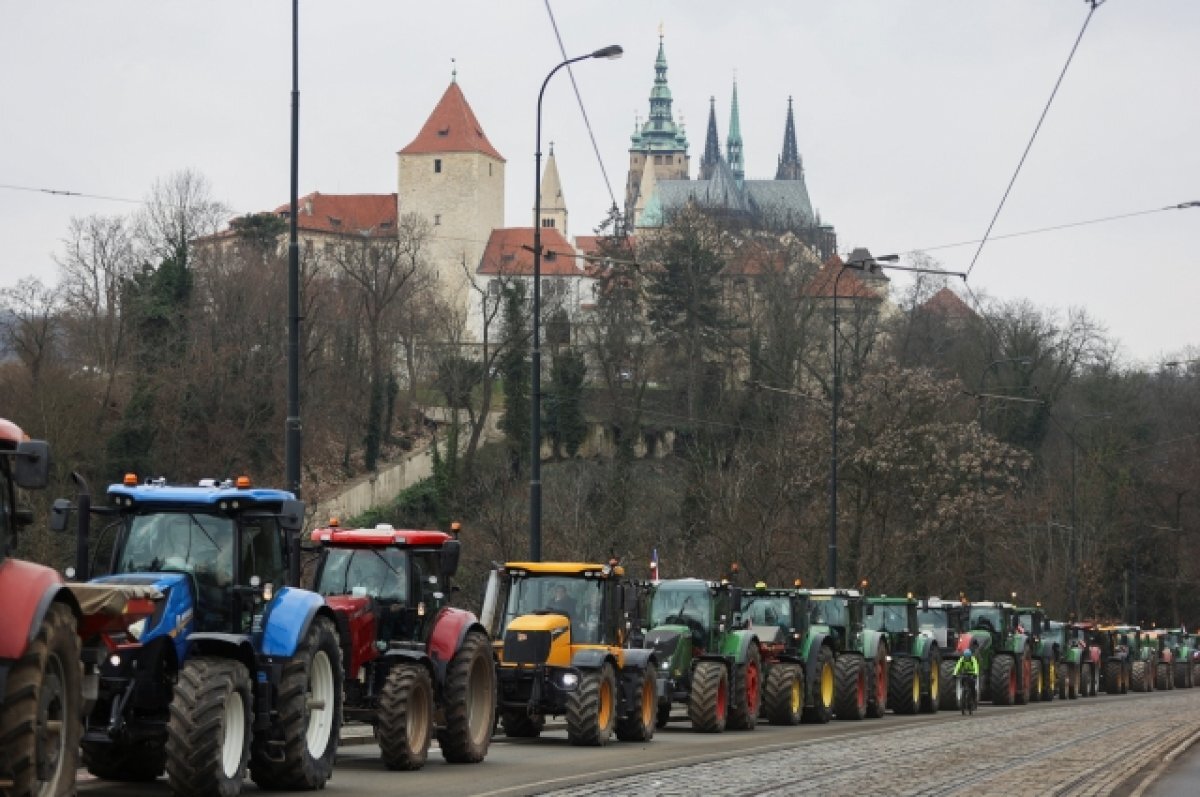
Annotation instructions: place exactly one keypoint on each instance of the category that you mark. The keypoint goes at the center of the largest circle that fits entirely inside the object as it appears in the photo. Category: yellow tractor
(561, 634)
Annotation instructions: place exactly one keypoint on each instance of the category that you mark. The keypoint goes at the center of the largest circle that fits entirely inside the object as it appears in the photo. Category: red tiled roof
(345, 213)
(452, 127)
(755, 259)
(849, 286)
(949, 304)
(506, 254)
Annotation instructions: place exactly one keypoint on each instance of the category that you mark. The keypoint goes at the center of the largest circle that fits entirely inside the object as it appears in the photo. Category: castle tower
(734, 142)
(554, 204)
(453, 176)
(790, 165)
(658, 143)
(712, 145)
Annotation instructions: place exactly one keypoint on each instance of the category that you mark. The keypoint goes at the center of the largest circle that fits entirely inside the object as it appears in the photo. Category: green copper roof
(659, 132)
(733, 142)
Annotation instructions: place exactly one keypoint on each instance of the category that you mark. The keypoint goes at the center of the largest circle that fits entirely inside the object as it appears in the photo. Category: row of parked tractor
(183, 644)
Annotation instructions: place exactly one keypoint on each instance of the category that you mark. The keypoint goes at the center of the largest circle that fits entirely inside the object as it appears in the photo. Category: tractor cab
(777, 616)
(1032, 620)
(944, 620)
(840, 611)
(992, 623)
(895, 617)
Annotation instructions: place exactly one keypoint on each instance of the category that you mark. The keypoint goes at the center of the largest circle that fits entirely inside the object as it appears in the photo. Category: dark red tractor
(415, 667)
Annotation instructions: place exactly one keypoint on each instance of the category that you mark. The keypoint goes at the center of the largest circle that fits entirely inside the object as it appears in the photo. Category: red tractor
(415, 666)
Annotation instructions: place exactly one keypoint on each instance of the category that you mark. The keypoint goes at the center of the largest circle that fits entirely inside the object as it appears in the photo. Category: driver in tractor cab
(561, 602)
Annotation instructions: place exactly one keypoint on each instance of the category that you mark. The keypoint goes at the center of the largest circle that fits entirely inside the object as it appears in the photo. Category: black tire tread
(707, 678)
(948, 699)
(777, 693)
(583, 709)
(405, 683)
(818, 712)
(848, 670)
(195, 730)
(1036, 693)
(455, 738)
(743, 707)
(631, 727)
(1001, 674)
(905, 670)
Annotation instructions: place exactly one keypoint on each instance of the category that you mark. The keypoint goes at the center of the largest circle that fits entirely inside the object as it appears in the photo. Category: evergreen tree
(515, 371)
(564, 421)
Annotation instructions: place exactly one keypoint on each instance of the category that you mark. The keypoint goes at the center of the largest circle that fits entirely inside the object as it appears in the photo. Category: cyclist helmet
(967, 653)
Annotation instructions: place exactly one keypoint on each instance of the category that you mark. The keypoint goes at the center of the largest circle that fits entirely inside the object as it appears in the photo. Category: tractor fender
(871, 640)
(26, 592)
(288, 618)
(745, 639)
(591, 659)
(638, 659)
(409, 656)
(450, 628)
(229, 646)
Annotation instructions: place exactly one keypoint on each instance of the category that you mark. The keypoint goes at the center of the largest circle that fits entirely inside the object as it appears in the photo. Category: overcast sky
(911, 116)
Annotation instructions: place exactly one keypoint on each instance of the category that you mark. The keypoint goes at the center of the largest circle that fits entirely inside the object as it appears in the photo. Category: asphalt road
(1104, 745)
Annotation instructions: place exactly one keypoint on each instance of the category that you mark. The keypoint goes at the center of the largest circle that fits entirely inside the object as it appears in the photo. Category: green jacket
(969, 666)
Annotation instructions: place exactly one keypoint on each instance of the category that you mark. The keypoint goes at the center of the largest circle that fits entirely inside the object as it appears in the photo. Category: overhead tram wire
(63, 192)
(1094, 5)
(579, 98)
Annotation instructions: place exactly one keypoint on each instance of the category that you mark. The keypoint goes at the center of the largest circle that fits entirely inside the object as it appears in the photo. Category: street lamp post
(535, 386)
(1072, 548)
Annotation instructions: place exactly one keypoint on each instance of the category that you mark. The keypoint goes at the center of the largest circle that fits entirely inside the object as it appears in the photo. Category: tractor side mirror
(60, 512)
(451, 549)
(291, 515)
(31, 470)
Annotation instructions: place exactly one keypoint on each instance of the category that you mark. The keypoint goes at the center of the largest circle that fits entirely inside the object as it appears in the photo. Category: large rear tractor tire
(850, 698)
(1086, 679)
(948, 695)
(1162, 676)
(1024, 679)
(1195, 676)
(747, 692)
(931, 698)
(469, 702)
(1140, 680)
(406, 717)
(1063, 684)
(592, 708)
(40, 711)
(309, 715)
(209, 731)
(641, 717)
(783, 695)
(517, 724)
(1035, 681)
(1112, 677)
(877, 684)
(1180, 671)
(1004, 680)
(904, 687)
(824, 689)
(708, 703)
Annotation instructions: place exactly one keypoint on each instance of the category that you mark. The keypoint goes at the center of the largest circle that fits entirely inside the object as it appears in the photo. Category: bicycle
(968, 698)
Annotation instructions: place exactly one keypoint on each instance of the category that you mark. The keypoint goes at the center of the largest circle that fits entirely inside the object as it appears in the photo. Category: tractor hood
(548, 621)
(350, 605)
(173, 616)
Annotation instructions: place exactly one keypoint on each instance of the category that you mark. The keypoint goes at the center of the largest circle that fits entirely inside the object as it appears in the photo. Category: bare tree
(179, 209)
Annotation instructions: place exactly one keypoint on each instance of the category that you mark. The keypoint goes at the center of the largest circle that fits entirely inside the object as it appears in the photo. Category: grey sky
(911, 116)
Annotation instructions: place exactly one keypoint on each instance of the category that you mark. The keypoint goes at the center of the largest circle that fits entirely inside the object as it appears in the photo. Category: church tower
(790, 166)
(554, 204)
(712, 145)
(452, 176)
(658, 143)
(734, 142)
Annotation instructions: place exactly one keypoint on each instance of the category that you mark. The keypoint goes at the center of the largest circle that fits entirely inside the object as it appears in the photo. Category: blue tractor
(237, 668)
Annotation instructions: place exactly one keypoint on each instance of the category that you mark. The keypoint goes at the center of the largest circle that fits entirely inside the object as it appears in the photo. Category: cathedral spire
(734, 143)
(790, 166)
(712, 145)
(554, 204)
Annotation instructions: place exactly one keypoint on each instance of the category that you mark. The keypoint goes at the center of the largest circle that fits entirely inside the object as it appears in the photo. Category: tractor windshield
(892, 618)
(681, 604)
(987, 618)
(830, 611)
(184, 542)
(380, 573)
(581, 600)
(933, 619)
(1055, 634)
(768, 610)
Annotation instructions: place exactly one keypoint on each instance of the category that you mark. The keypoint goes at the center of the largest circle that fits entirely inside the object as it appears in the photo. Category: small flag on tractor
(654, 565)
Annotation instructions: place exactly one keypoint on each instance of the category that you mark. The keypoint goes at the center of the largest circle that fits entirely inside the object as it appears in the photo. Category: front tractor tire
(783, 695)
(747, 692)
(948, 695)
(209, 730)
(469, 702)
(40, 711)
(708, 703)
(850, 699)
(878, 675)
(904, 691)
(1004, 680)
(1036, 694)
(641, 718)
(406, 717)
(309, 715)
(1141, 677)
(592, 708)
(930, 700)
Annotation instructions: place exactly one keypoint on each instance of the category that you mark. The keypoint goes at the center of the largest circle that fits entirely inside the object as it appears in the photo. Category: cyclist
(967, 668)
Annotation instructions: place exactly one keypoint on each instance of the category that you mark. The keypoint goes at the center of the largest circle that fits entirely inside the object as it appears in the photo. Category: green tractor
(707, 661)
(1187, 656)
(1004, 650)
(915, 672)
(1047, 653)
(1155, 640)
(1073, 651)
(1143, 656)
(946, 621)
(861, 666)
(798, 661)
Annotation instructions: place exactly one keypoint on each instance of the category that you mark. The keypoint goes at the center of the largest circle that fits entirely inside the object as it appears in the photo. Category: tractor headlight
(568, 680)
(137, 629)
(666, 665)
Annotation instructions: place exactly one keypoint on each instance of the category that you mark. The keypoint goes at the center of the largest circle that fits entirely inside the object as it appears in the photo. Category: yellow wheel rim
(934, 682)
(1053, 676)
(604, 714)
(797, 695)
(827, 685)
(649, 702)
(917, 687)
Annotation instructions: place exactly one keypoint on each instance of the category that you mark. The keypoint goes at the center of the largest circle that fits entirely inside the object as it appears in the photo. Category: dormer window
(334, 221)
(445, 131)
(437, 165)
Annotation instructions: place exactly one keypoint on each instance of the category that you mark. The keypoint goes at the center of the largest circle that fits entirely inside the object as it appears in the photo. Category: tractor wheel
(1195, 675)
(469, 702)
(1180, 669)
(520, 725)
(877, 685)
(405, 726)
(309, 715)
(1024, 679)
(1112, 677)
(823, 690)
(1162, 676)
(208, 734)
(663, 716)
(904, 689)
(641, 717)
(1004, 680)
(850, 698)
(747, 692)
(1086, 679)
(592, 708)
(708, 703)
(1035, 681)
(1050, 681)
(947, 696)
(1063, 683)
(931, 699)
(1140, 681)
(1127, 684)
(783, 695)
(40, 711)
